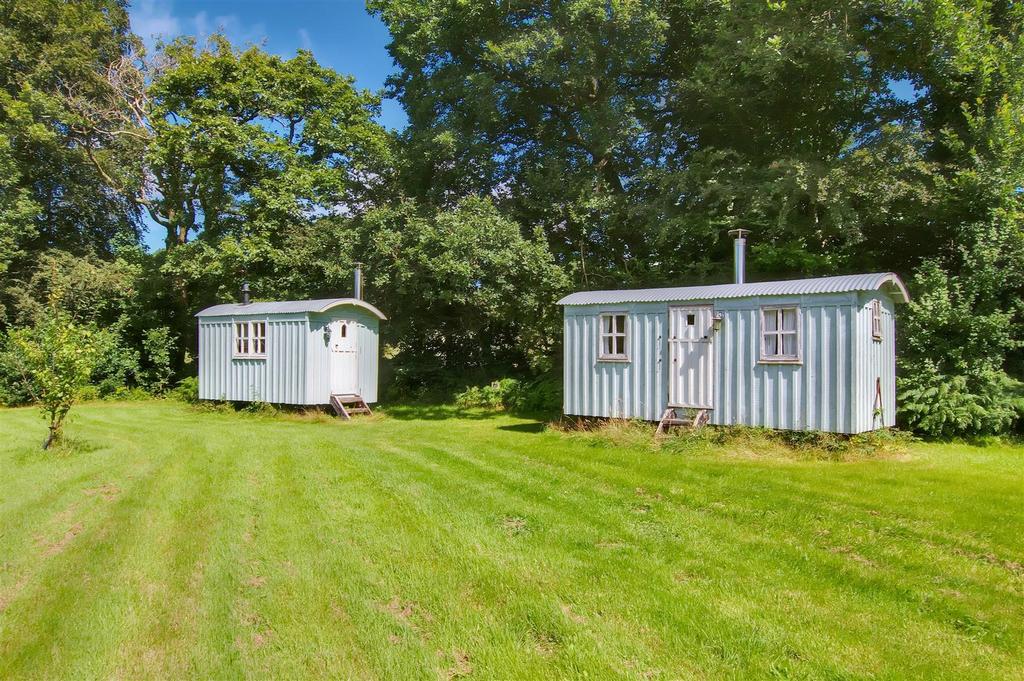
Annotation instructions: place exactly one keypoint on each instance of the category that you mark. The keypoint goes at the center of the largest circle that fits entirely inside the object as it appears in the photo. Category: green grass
(175, 543)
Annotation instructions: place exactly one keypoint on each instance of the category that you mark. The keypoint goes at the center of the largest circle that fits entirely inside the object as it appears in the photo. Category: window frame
(876, 319)
(798, 332)
(250, 338)
(602, 335)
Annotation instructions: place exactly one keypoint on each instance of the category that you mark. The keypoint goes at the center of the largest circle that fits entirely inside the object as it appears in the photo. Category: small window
(250, 339)
(691, 319)
(613, 337)
(344, 330)
(876, 319)
(780, 334)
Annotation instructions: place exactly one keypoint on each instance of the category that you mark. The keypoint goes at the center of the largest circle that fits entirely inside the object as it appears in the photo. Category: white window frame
(780, 333)
(876, 319)
(249, 339)
(603, 335)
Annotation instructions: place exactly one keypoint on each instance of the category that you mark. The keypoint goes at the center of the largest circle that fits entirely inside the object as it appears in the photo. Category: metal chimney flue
(357, 284)
(739, 254)
(245, 293)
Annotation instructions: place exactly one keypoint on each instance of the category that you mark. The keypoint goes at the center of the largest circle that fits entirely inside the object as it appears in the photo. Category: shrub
(117, 365)
(982, 402)
(128, 394)
(958, 334)
(540, 395)
(499, 394)
(158, 344)
(55, 357)
(187, 390)
(14, 391)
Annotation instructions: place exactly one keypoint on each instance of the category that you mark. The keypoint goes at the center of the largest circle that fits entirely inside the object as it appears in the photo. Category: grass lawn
(176, 543)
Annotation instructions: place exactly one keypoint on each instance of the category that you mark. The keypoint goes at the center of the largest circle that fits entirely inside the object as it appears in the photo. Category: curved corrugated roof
(287, 307)
(886, 281)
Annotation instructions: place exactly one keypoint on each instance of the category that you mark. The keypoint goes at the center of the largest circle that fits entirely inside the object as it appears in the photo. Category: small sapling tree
(56, 357)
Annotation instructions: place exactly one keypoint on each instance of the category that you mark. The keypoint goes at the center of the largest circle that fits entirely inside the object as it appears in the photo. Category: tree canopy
(550, 145)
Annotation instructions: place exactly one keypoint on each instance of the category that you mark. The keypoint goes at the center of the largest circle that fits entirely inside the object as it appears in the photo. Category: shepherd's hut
(808, 354)
(303, 352)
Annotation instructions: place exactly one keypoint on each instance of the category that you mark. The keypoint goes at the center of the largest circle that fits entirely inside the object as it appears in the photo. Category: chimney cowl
(739, 250)
(245, 293)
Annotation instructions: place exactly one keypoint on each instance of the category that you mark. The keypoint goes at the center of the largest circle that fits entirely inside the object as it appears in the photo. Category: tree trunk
(54, 435)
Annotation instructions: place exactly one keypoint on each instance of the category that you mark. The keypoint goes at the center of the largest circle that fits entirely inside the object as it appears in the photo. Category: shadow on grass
(437, 412)
(535, 427)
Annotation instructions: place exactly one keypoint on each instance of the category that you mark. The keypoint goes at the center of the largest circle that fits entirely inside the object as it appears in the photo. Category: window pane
(789, 319)
(789, 345)
(620, 323)
(607, 346)
(620, 345)
(606, 323)
(771, 345)
(770, 320)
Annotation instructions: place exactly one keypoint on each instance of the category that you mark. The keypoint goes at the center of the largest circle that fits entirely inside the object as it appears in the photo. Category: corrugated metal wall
(831, 389)
(295, 370)
(816, 394)
(318, 377)
(879, 362)
(279, 378)
(634, 389)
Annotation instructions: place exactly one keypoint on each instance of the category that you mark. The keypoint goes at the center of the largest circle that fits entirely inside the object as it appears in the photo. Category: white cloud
(304, 40)
(156, 20)
(237, 31)
(152, 19)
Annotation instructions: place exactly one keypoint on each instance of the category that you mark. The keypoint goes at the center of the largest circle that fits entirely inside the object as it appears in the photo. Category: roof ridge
(830, 284)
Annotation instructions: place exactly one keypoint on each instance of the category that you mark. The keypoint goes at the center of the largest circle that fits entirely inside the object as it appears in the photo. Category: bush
(158, 344)
(500, 394)
(982, 402)
(187, 390)
(958, 334)
(540, 395)
(14, 391)
(117, 366)
(127, 394)
(55, 357)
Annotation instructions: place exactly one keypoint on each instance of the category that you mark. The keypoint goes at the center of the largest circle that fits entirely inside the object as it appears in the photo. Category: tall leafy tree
(58, 63)
(243, 151)
(464, 291)
(637, 133)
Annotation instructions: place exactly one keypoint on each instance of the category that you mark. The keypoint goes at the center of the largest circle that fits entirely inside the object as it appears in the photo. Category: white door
(344, 349)
(690, 364)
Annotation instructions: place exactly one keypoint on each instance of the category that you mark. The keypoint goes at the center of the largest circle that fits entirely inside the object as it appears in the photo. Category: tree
(56, 357)
(464, 290)
(246, 144)
(58, 60)
(636, 134)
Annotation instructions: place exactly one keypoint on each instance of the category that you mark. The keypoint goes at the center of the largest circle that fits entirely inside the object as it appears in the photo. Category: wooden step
(345, 405)
(671, 418)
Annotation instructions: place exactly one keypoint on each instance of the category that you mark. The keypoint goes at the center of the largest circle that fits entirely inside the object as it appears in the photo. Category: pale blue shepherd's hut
(809, 354)
(301, 352)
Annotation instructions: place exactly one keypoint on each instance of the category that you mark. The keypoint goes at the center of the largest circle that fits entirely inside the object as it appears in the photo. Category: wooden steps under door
(346, 405)
(690, 417)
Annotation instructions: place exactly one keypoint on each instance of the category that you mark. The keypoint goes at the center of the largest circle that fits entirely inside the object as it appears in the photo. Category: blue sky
(340, 33)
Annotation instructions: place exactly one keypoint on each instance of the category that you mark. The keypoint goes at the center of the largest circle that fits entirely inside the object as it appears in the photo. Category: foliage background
(550, 146)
